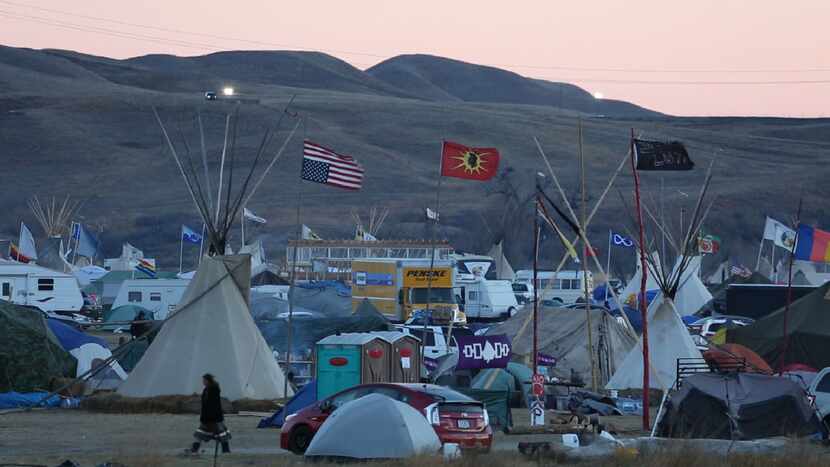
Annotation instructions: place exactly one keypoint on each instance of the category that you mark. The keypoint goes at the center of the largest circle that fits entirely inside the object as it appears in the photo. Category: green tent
(808, 330)
(497, 404)
(122, 314)
(30, 355)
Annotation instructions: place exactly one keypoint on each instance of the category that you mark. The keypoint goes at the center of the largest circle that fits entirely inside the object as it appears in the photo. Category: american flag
(322, 165)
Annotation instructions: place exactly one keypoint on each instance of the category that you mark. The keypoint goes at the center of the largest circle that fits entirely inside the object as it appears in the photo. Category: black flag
(657, 155)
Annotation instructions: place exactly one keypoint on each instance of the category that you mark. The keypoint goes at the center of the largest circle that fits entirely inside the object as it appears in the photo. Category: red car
(455, 417)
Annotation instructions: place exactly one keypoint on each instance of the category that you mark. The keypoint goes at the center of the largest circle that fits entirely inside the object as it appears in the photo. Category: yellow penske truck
(400, 288)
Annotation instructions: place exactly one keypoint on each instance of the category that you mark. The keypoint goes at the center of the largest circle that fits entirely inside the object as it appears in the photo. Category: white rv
(33, 285)
(161, 296)
(483, 299)
(565, 287)
(476, 289)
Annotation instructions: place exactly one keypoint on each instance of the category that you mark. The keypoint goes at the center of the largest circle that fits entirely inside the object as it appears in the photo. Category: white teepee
(632, 288)
(691, 294)
(668, 340)
(212, 331)
(503, 269)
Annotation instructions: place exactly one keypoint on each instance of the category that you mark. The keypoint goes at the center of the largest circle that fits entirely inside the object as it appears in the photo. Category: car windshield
(436, 295)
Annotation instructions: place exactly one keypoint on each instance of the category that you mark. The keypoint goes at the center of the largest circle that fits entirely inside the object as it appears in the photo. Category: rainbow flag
(812, 244)
(146, 267)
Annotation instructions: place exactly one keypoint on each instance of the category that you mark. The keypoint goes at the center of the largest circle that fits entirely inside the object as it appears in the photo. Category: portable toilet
(405, 361)
(346, 360)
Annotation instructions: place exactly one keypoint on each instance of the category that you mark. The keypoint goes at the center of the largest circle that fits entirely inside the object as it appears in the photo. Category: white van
(33, 285)
(565, 287)
(484, 299)
(161, 296)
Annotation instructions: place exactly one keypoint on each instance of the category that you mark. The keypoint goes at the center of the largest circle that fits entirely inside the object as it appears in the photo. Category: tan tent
(212, 331)
(668, 340)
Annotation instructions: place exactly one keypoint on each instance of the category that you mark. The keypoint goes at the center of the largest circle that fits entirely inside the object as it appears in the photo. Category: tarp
(808, 331)
(306, 396)
(668, 340)
(15, 400)
(563, 335)
(307, 330)
(30, 354)
(737, 406)
(729, 355)
(374, 427)
(211, 332)
(90, 352)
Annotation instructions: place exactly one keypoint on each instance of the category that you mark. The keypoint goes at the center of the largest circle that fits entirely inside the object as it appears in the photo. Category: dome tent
(374, 427)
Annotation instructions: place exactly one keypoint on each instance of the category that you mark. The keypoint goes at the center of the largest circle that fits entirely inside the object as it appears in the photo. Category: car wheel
(511, 312)
(300, 439)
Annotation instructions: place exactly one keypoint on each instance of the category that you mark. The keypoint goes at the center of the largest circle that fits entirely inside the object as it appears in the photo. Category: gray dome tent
(374, 427)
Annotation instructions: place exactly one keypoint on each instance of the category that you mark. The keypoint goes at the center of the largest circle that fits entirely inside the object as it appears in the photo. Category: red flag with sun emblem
(460, 161)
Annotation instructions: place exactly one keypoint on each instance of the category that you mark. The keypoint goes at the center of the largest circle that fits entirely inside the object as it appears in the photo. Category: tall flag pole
(643, 279)
(783, 360)
(433, 233)
(325, 166)
(608, 268)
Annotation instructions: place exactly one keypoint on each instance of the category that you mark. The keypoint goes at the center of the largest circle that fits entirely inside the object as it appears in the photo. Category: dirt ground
(48, 437)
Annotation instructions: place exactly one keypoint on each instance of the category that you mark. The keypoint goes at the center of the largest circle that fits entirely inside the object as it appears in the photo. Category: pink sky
(532, 38)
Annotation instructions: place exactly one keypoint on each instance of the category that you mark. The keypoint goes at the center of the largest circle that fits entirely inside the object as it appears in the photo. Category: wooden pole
(536, 286)
(585, 252)
(643, 279)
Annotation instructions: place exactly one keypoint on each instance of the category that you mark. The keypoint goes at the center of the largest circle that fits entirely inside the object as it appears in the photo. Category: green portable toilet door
(338, 368)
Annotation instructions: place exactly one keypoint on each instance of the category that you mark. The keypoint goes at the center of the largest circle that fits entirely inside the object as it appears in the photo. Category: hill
(83, 125)
(444, 79)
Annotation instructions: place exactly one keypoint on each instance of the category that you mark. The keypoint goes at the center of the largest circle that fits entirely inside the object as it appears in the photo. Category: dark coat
(212, 405)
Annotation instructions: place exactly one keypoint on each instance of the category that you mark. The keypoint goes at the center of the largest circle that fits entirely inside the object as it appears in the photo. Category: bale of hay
(255, 405)
(115, 403)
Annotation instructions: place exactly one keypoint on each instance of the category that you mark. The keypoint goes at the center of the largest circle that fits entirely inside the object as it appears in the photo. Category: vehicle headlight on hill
(228, 91)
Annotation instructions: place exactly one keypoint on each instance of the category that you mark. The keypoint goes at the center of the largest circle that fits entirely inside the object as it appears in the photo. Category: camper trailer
(161, 296)
(565, 287)
(48, 290)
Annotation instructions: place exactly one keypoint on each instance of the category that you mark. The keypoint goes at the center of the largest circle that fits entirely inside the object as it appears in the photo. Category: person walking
(212, 419)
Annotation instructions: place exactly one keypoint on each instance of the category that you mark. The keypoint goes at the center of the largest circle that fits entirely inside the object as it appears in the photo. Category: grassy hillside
(441, 78)
(80, 125)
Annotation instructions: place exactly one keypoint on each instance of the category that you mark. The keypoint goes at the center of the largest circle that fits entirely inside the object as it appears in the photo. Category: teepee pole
(222, 169)
(643, 278)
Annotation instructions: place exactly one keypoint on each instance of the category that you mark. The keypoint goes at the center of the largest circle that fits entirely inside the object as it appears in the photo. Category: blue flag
(191, 236)
(87, 244)
(621, 240)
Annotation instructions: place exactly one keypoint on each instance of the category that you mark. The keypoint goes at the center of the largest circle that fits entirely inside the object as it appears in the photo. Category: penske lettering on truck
(420, 277)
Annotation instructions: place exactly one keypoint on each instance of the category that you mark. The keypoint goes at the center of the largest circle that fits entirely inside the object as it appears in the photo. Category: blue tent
(306, 396)
(70, 338)
(90, 352)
